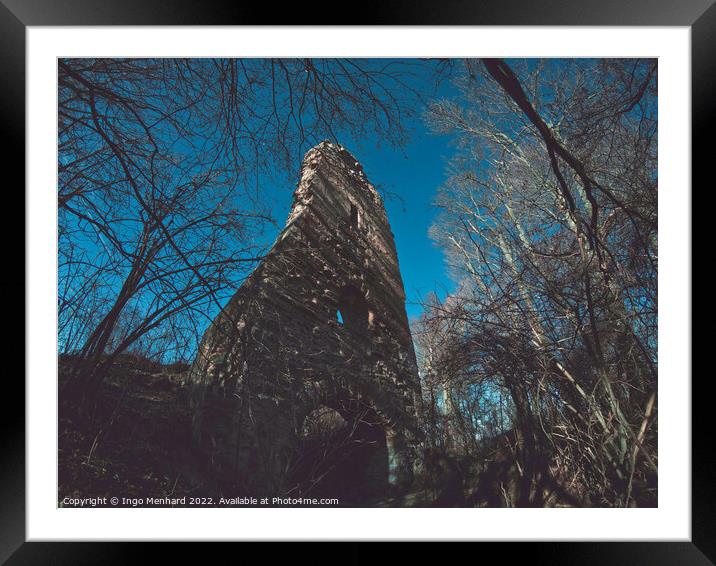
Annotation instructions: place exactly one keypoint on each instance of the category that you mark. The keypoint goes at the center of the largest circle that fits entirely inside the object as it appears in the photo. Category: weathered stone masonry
(321, 323)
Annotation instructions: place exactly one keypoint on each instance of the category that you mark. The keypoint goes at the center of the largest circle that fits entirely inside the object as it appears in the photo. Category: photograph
(339, 282)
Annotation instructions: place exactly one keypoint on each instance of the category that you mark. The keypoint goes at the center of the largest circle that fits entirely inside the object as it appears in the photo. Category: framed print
(421, 276)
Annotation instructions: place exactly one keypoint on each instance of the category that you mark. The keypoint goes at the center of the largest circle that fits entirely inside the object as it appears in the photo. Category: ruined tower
(307, 381)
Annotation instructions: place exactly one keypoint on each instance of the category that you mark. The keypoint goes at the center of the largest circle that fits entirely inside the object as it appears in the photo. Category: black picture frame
(17, 15)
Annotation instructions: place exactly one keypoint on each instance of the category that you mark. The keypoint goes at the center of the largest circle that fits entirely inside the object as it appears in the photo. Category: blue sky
(414, 172)
(415, 176)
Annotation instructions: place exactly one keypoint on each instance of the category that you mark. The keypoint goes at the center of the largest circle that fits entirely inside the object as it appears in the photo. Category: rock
(298, 357)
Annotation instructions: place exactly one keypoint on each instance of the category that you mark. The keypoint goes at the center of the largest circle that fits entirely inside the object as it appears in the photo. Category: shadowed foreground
(133, 445)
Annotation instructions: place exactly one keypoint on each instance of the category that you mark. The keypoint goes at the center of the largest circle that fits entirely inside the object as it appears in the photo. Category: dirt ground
(135, 443)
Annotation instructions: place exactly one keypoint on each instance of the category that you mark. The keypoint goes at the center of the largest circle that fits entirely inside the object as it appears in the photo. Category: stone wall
(321, 323)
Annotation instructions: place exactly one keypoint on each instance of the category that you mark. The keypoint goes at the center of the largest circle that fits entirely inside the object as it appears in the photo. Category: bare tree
(550, 223)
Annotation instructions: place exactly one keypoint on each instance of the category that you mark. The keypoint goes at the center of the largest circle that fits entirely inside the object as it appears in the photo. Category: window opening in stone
(354, 215)
(352, 310)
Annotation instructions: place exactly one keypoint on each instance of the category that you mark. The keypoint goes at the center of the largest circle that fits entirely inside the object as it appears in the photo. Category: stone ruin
(307, 382)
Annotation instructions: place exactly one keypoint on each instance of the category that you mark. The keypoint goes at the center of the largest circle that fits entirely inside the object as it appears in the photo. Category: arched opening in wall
(342, 454)
(354, 220)
(322, 422)
(352, 310)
